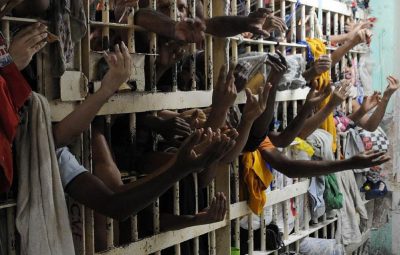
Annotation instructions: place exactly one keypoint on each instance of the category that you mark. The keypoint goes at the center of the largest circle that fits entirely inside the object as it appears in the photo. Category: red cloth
(14, 91)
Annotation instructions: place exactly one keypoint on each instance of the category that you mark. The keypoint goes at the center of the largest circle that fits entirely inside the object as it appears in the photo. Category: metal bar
(193, 48)
(312, 22)
(11, 240)
(250, 240)
(209, 48)
(212, 237)
(153, 51)
(237, 221)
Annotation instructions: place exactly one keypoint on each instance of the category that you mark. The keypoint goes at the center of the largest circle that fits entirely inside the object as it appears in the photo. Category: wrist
(386, 96)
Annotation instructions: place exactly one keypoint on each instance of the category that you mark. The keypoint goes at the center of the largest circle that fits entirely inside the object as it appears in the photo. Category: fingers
(263, 98)
(126, 56)
(221, 77)
(191, 141)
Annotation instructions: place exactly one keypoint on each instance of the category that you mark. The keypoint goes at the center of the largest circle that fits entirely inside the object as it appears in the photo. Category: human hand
(224, 95)
(216, 212)
(195, 117)
(190, 30)
(256, 20)
(314, 97)
(8, 5)
(273, 22)
(189, 160)
(278, 67)
(369, 159)
(322, 65)
(120, 69)
(370, 102)
(172, 127)
(27, 43)
(392, 87)
(340, 93)
(254, 108)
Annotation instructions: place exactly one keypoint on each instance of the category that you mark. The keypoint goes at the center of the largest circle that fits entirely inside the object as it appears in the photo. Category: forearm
(170, 222)
(206, 176)
(261, 124)
(292, 131)
(310, 74)
(303, 168)
(155, 22)
(372, 123)
(225, 26)
(79, 120)
(315, 121)
(134, 197)
(339, 38)
(217, 118)
(244, 131)
(166, 114)
(339, 53)
(357, 115)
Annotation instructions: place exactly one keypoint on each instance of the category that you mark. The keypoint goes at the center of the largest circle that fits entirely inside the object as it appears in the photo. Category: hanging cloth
(318, 48)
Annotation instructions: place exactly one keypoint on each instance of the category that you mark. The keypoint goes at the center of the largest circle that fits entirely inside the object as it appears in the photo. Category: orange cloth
(257, 177)
(318, 48)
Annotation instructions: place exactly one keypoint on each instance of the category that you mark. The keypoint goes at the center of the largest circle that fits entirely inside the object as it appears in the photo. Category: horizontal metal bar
(145, 101)
(8, 204)
(164, 240)
(23, 20)
(274, 197)
(327, 5)
(296, 237)
(115, 25)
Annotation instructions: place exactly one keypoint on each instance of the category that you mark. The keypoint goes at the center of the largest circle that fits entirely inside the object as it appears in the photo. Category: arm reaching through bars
(120, 64)
(310, 168)
(131, 198)
(313, 100)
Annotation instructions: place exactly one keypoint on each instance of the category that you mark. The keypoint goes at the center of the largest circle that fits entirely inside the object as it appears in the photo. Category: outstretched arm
(216, 212)
(133, 197)
(75, 123)
(314, 99)
(371, 123)
(310, 168)
(312, 123)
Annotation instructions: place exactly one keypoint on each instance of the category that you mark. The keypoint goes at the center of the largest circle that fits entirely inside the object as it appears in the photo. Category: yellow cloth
(257, 178)
(318, 48)
(302, 145)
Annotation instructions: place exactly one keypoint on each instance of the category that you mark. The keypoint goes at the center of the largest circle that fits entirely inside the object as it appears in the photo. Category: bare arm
(131, 198)
(312, 123)
(314, 99)
(371, 123)
(79, 120)
(216, 212)
(310, 168)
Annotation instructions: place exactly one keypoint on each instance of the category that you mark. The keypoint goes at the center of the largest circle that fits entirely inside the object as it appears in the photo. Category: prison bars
(89, 235)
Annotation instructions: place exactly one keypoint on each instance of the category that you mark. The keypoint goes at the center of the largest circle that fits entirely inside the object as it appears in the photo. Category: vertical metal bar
(11, 241)
(272, 6)
(105, 17)
(283, 16)
(293, 26)
(250, 241)
(176, 212)
(247, 12)
(109, 221)
(131, 31)
(237, 221)
(134, 219)
(193, 48)
(196, 210)
(212, 237)
(173, 16)
(89, 219)
(209, 48)
(312, 22)
(153, 51)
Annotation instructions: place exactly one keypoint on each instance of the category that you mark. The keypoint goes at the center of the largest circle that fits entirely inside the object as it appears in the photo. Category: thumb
(248, 94)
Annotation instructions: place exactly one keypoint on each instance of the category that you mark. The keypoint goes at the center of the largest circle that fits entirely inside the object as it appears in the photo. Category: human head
(164, 6)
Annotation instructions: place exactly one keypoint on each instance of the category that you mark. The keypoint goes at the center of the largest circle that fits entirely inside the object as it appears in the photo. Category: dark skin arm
(312, 123)
(310, 168)
(261, 124)
(133, 197)
(216, 212)
(284, 138)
